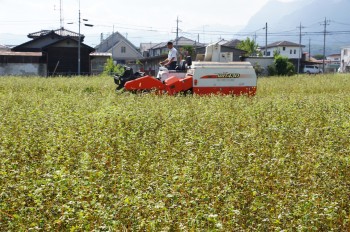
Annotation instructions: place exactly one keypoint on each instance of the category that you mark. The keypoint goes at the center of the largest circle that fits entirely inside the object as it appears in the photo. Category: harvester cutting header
(213, 75)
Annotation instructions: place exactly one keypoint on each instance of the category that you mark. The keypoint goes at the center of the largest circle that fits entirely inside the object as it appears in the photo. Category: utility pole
(266, 40)
(61, 15)
(324, 42)
(255, 37)
(309, 49)
(300, 54)
(177, 31)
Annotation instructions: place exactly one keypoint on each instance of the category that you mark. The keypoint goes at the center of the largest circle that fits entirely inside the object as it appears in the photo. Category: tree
(318, 57)
(281, 67)
(258, 69)
(110, 68)
(249, 46)
(189, 49)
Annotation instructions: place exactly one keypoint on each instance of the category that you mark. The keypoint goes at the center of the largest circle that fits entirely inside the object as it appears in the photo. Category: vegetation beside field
(75, 155)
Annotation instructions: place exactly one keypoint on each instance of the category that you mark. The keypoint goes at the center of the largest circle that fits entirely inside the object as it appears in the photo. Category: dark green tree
(248, 45)
(281, 67)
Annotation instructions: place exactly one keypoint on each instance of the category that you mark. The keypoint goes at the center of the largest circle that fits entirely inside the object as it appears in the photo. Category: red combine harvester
(214, 75)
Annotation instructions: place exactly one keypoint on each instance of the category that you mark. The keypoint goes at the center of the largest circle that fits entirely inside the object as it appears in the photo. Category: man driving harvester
(171, 61)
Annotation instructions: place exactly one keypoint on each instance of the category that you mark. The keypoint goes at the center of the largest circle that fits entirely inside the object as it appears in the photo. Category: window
(123, 49)
(284, 48)
(291, 51)
(268, 53)
(295, 51)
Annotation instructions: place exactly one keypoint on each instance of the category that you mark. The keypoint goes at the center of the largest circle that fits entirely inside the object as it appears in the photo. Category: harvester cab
(214, 73)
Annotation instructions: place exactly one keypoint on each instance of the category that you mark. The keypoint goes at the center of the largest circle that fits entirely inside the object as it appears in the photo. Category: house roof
(111, 41)
(282, 44)
(334, 55)
(36, 45)
(147, 46)
(160, 45)
(232, 43)
(181, 41)
(10, 53)
(61, 32)
(32, 45)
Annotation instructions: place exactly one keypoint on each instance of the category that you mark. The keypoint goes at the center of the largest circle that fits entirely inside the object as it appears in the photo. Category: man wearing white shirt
(171, 61)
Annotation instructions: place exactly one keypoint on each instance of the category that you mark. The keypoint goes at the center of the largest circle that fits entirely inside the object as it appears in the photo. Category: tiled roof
(282, 43)
(62, 32)
(232, 43)
(334, 55)
(181, 41)
(111, 41)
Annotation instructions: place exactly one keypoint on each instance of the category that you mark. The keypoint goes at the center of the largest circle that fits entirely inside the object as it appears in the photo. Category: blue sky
(139, 20)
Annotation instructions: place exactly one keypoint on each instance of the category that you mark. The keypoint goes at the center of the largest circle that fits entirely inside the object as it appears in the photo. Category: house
(60, 51)
(284, 48)
(179, 44)
(333, 62)
(122, 50)
(334, 59)
(145, 47)
(159, 53)
(345, 59)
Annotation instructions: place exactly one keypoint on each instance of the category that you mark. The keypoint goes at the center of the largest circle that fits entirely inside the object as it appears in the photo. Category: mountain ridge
(284, 18)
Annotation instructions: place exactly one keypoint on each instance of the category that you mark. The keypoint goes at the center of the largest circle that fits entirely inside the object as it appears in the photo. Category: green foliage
(112, 69)
(258, 69)
(290, 69)
(138, 62)
(249, 46)
(75, 156)
(189, 49)
(318, 56)
(271, 70)
(281, 67)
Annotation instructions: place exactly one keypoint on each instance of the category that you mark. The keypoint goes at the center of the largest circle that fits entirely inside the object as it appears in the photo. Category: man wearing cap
(171, 61)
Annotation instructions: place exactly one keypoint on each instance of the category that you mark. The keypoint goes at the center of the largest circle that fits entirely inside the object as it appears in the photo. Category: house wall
(129, 53)
(159, 51)
(290, 52)
(345, 60)
(64, 61)
(334, 59)
(22, 69)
